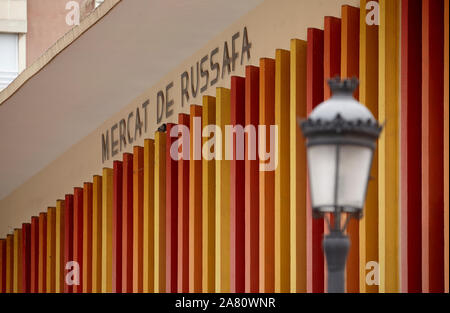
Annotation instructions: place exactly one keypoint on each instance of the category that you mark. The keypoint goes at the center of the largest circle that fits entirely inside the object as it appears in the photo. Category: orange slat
(138, 218)
(183, 212)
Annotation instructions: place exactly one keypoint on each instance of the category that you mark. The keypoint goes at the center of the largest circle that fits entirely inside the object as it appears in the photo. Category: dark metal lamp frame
(339, 132)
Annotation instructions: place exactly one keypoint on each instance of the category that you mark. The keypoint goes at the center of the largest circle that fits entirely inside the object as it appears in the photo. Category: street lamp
(341, 137)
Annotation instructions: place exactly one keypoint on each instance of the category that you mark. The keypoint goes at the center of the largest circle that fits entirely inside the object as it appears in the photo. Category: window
(9, 58)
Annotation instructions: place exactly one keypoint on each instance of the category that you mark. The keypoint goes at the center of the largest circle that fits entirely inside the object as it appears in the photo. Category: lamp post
(341, 138)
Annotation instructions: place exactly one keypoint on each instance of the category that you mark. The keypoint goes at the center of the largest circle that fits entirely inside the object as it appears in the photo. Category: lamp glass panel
(353, 175)
(322, 173)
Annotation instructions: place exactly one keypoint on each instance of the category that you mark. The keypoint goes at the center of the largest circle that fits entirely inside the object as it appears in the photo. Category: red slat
(78, 234)
(68, 236)
(2, 265)
(26, 258)
(411, 180)
(314, 96)
(432, 146)
(34, 254)
(171, 215)
(117, 226)
(127, 223)
(183, 210)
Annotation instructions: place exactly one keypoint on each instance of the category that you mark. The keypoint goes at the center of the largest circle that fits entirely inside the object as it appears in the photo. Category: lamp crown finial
(343, 87)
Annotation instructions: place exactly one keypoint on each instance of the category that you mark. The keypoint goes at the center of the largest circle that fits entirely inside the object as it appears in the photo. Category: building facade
(135, 219)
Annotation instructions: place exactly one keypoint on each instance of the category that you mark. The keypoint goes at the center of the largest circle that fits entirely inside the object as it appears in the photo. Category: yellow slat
(282, 172)
(107, 229)
(368, 95)
(223, 117)
(388, 147)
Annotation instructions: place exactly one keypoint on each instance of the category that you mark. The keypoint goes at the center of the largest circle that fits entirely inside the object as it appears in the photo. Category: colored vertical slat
(314, 96)
(59, 242)
(350, 34)
(68, 237)
(349, 69)
(223, 117)
(160, 212)
(9, 263)
(107, 230)
(127, 223)
(298, 166)
(388, 147)
(138, 218)
(171, 193)
(42, 263)
(332, 68)
(183, 208)
(17, 276)
(87, 238)
(267, 179)
(331, 52)
(282, 172)
(251, 180)
(237, 186)
(446, 140)
(172, 215)
(51, 250)
(117, 227)
(26, 257)
(97, 234)
(368, 95)
(34, 254)
(78, 236)
(411, 180)
(209, 199)
(149, 216)
(2, 265)
(195, 200)
(432, 148)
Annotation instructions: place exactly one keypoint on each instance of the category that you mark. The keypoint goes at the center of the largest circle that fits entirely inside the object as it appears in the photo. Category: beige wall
(270, 26)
